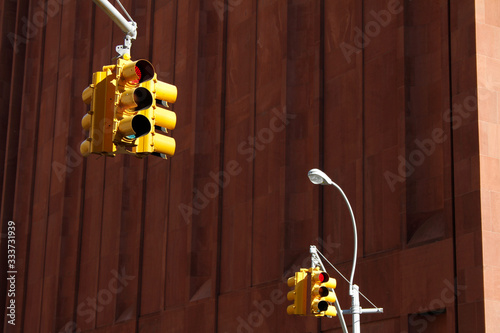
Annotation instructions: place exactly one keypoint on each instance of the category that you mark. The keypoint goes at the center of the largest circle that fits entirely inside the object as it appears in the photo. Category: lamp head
(317, 176)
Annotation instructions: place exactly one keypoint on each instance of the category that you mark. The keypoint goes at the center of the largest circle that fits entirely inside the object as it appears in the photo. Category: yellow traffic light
(298, 294)
(127, 103)
(322, 294)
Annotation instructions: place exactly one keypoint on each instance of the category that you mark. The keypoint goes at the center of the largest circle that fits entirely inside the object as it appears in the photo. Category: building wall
(381, 95)
(488, 61)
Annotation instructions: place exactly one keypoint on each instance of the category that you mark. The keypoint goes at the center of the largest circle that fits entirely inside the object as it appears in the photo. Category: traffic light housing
(98, 120)
(156, 141)
(298, 295)
(322, 294)
(126, 105)
(130, 99)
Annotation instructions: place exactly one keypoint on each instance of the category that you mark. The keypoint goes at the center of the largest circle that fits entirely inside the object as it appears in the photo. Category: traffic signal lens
(144, 70)
(323, 277)
(134, 127)
(136, 99)
(138, 72)
(140, 125)
(143, 99)
(323, 306)
(134, 73)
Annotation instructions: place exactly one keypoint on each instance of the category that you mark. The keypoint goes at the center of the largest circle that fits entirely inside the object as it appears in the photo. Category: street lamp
(319, 177)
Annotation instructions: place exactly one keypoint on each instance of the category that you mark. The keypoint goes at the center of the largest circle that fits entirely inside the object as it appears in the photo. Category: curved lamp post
(319, 177)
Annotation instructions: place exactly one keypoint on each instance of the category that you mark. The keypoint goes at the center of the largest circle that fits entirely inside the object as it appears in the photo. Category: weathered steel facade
(382, 95)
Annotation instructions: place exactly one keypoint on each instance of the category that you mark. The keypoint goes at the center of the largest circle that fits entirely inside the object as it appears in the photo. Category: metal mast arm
(128, 27)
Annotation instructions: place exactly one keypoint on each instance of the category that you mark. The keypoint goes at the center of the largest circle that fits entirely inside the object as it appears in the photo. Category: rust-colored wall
(381, 95)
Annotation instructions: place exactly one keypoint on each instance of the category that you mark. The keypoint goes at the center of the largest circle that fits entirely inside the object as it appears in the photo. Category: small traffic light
(322, 294)
(298, 294)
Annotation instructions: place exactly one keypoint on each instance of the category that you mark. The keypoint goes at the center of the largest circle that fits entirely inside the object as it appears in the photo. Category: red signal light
(138, 72)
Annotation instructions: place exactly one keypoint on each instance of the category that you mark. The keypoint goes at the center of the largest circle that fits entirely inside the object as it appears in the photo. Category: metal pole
(115, 15)
(355, 310)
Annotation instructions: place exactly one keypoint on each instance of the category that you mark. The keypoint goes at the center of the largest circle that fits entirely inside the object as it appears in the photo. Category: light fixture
(319, 177)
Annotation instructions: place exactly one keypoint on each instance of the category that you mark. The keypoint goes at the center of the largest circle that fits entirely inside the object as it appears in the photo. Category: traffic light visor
(87, 94)
(136, 99)
(166, 92)
(85, 148)
(165, 118)
(321, 277)
(134, 127)
(137, 71)
(164, 144)
(87, 122)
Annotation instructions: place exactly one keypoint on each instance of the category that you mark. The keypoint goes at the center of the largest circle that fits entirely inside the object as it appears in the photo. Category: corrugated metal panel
(203, 241)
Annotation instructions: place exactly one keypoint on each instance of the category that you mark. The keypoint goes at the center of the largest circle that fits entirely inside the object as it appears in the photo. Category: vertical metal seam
(221, 166)
(254, 136)
(144, 190)
(452, 169)
(50, 175)
(363, 131)
(83, 187)
(170, 162)
(102, 203)
(34, 168)
(321, 110)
